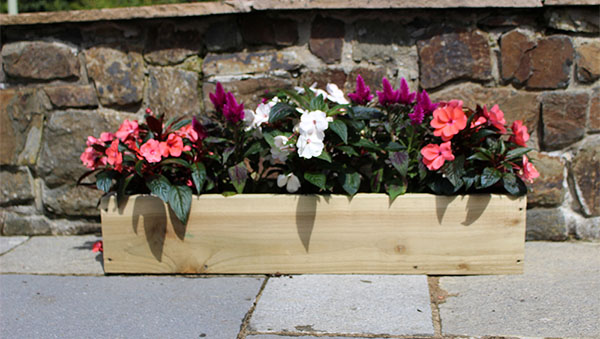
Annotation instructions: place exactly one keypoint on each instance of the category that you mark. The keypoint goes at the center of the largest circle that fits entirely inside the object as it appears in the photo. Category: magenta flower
(233, 111)
(362, 95)
(388, 96)
(416, 117)
(197, 126)
(425, 103)
(406, 97)
(218, 98)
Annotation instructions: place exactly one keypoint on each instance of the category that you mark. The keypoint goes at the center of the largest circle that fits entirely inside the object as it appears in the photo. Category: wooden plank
(263, 233)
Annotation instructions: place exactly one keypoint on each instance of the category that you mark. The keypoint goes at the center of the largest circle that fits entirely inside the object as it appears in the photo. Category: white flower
(314, 122)
(336, 95)
(281, 150)
(310, 145)
(290, 181)
(253, 119)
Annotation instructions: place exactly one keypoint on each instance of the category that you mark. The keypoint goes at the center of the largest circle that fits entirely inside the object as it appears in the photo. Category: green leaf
(317, 179)
(214, 140)
(160, 186)
(122, 187)
(280, 111)
(454, 171)
(227, 153)
(175, 161)
(349, 150)
(104, 180)
(368, 144)
(317, 103)
(513, 184)
(238, 175)
(181, 123)
(139, 166)
(393, 146)
(517, 153)
(395, 189)
(400, 162)
(489, 177)
(364, 113)
(470, 181)
(376, 180)
(340, 128)
(351, 183)
(325, 156)
(180, 201)
(210, 184)
(253, 149)
(198, 175)
(479, 156)
(483, 133)
(441, 185)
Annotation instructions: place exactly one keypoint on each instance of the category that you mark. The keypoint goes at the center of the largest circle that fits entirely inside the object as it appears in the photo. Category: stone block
(594, 125)
(170, 45)
(563, 116)
(327, 39)
(515, 58)
(72, 96)
(324, 77)
(14, 223)
(516, 105)
(21, 123)
(258, 30)
(248, 91)
(223, 35)
(588, 62)
(546, 224)
(452, 56)
(70, 200)
(173, 91)
(250, 62)
(546, 190)
(551, 63)
(40, 60)
(573, 19)
(375, 42)
(15, 187)
(118, 75)
(585, 169)
(64, 140)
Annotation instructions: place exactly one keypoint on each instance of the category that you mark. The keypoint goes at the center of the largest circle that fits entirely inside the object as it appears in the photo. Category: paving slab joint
(333, 335)
(246, 321)
(437, 296)
(16, 246)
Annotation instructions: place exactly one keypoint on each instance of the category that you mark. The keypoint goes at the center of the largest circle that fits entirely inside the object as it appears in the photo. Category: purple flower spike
(388, 96)
(406, 97)
(218, 98)
(232, 111)
(425, 103)
(362, 95)
(416, 117)
(197, 126)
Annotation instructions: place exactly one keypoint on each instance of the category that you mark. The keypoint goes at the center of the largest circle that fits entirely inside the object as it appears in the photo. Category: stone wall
(61, 82)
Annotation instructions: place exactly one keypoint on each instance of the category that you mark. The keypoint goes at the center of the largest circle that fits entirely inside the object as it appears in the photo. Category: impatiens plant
(310, 141)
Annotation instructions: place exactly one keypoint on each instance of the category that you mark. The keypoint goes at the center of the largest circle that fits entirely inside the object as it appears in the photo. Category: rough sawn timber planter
(268, 233)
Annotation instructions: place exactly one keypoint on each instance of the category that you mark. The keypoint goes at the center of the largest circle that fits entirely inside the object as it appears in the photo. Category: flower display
(314, 141)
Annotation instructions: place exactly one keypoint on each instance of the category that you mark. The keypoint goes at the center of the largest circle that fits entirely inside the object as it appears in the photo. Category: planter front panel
(264, 233)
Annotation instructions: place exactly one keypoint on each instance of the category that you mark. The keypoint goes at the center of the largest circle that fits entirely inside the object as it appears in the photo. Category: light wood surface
(264, 233)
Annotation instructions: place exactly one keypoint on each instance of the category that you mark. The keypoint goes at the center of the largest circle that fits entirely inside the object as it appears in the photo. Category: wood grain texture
(264, 233)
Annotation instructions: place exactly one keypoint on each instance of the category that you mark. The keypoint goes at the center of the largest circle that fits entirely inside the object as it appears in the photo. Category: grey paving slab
(8, 243)
(344, 304)
(276, 336)
(34, 306)
(557, 296)
(54, 255)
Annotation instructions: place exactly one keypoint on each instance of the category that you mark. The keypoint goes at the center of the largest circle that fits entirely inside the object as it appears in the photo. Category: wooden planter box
(268, 233)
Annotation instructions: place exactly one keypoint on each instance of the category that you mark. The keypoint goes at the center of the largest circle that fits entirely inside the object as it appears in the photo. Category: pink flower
(520, 136)
(115, 157)
(434, 155)
(92, 159)
(188, 132)
(218, 98)
(128, 128)
(107, 137)
(448, 120)
(362, 95)
(173, 146)
(528, 172)
(151, 151)
(233, 111)
(97, 247)
(388, 96)
(478, 122)
(495, 117)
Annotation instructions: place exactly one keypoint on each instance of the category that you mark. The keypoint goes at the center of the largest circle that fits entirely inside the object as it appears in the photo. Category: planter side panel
(416, 234)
